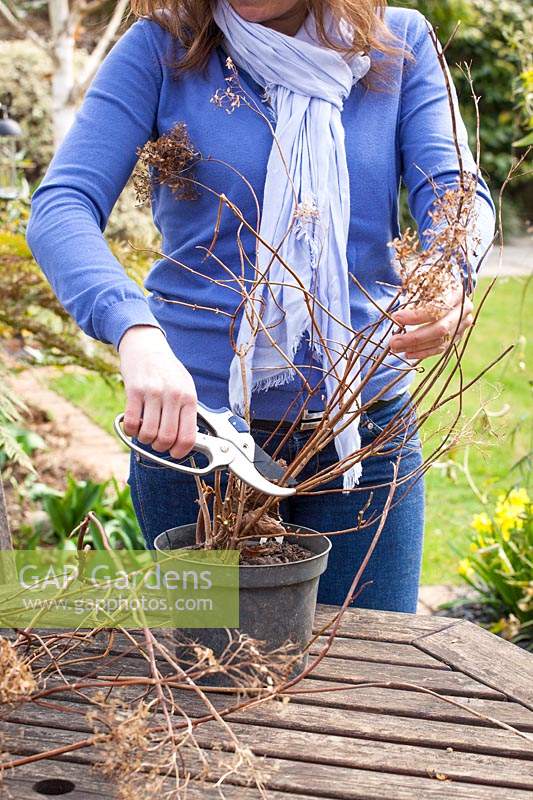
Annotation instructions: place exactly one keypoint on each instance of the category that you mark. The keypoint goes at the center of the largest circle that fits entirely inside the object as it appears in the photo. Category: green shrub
(14, 214)
(500, 565)
(14, 440)
(67, 509)
(494, 37)
(16, 443)
(26, 72)
(30, 309)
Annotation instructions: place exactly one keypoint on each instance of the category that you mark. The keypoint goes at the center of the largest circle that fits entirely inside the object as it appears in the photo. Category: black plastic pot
(276, 602)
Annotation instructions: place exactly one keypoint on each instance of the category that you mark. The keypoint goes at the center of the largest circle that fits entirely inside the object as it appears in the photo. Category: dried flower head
(429, 273)
(307, 209)
(122, 733)
(165, 161)
(251, 769)
(228, 99)
(138, 761)
(232, 97)
(16, 678)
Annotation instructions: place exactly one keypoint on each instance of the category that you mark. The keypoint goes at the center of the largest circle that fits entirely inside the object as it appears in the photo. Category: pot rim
(287, 525)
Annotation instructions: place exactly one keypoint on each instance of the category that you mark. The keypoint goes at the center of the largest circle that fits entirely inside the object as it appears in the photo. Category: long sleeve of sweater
(71, 206)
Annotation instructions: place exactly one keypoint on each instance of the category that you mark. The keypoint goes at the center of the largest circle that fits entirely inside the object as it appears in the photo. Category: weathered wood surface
(497, 759)
(93, 786)
(479, 654)
(384, 742)
(381, 626)
(343, 670)
(317, 776)
(380, 652)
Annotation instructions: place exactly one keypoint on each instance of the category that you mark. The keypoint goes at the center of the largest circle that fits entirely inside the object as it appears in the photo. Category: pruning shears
(228, 444)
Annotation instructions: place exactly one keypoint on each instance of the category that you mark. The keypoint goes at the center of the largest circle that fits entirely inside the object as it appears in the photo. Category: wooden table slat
(390, 729)
(382, 626)
(406, 655)
(484, 657)
(415, 705)
(338, 669)
(278, 722)
(317, 780)
(93, 785)
(380, 743)
(323, 748)
(345, 671)
(396, 702)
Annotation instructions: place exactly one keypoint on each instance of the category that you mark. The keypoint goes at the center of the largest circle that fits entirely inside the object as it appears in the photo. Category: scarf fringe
(351, 477)
(274, 381)
(281, 378)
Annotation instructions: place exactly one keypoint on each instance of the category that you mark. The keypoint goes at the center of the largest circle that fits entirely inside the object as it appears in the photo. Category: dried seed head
(123, 734)
(428, 273)
(232, 96)
(16, 678)
(168, 161)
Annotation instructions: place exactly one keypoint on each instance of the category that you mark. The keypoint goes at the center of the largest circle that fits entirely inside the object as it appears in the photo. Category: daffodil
(507, 524)
(516, 499)
(481, 523)
(519, 497)
(465, 568)
(510, 511)
(499, 562)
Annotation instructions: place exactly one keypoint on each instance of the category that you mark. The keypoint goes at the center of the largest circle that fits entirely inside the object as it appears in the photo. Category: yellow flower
(481, 543)
(519, 497)
(465, 568)
(508, 523)
(481, 523)
(509, 511)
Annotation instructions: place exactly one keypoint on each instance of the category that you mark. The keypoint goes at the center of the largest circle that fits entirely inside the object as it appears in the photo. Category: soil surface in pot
(256, 554)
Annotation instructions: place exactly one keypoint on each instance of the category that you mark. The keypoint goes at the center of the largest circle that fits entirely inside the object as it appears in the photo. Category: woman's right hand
(160, 393)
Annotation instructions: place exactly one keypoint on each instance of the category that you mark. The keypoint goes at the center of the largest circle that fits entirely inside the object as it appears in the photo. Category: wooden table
(387, 742)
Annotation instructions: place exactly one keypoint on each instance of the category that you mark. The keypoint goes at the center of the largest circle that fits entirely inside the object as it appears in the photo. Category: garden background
(493, 456)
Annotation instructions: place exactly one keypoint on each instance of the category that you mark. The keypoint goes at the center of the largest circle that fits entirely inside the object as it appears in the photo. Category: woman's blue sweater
(401, 133)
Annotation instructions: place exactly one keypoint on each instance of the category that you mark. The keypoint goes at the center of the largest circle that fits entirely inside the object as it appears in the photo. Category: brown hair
(191, 23)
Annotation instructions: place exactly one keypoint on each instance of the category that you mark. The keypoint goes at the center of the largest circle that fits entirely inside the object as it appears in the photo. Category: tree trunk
(65, 17)
(63, 22)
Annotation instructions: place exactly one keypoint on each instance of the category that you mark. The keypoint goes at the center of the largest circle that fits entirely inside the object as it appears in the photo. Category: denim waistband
(308, 422)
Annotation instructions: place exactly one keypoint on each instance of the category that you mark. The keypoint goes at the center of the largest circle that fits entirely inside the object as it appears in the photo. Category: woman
(169, 353)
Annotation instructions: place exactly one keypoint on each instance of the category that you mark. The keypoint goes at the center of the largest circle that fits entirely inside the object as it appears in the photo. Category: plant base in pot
(277, 605)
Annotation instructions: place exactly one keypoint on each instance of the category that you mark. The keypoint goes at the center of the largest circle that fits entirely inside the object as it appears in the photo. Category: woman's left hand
(436, 327)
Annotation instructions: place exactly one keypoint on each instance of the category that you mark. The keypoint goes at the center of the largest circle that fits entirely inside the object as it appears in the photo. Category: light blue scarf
(306, 85)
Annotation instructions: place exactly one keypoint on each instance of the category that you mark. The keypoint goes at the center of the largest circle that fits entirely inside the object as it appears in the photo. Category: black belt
(309, 419)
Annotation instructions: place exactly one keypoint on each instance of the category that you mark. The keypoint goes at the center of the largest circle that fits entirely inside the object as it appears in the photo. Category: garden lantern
(10, 132)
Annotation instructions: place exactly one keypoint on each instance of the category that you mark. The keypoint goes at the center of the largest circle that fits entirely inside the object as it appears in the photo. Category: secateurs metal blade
(229, 444)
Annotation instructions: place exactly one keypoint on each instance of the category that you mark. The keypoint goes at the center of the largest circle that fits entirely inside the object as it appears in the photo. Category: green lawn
(498, 441)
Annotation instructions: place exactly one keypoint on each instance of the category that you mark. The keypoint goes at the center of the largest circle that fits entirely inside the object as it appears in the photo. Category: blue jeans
(164, 498)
